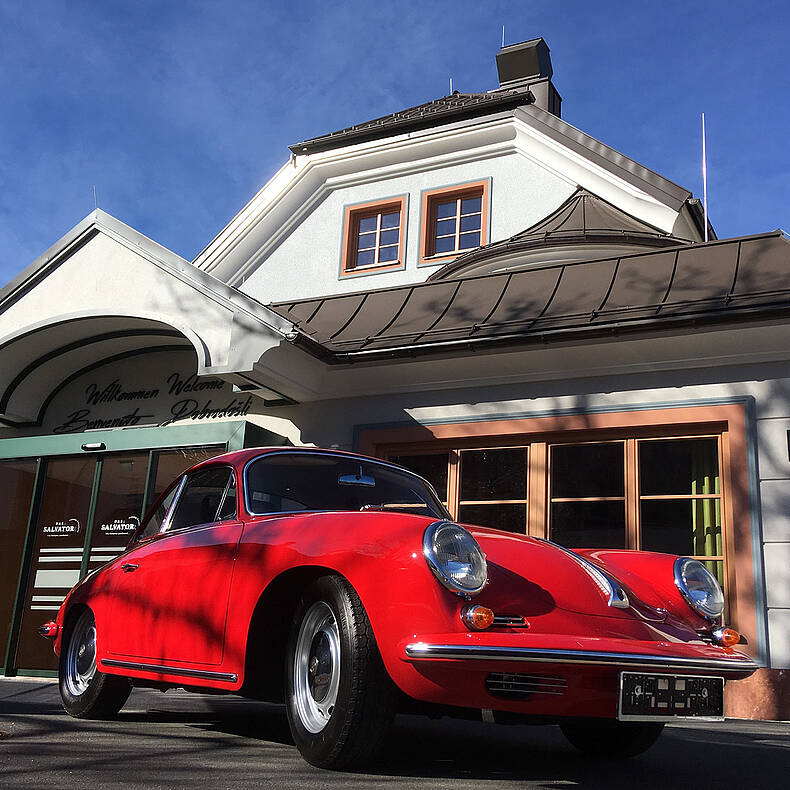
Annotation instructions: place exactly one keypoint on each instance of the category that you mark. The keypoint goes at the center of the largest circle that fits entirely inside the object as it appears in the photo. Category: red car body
(209, 607)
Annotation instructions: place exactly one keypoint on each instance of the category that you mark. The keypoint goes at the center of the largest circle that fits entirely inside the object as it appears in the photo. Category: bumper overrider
(729, 664)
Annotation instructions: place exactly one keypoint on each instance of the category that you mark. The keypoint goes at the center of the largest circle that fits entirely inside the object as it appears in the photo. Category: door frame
(229, 435)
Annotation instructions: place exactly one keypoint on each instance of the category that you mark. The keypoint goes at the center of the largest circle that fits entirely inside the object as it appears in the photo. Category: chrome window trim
(169, 515)
(165, 528)
(326, 454)
(424, 651)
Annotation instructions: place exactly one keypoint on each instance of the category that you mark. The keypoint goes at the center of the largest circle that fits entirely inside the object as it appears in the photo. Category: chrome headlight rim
(681, 563)
(438, 570)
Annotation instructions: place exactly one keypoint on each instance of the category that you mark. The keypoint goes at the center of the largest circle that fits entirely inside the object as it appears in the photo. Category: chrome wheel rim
(81, 656)
(316, 667)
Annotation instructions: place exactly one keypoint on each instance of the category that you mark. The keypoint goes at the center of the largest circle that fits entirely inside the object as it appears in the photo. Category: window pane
(366, 241)
(389, 236)
(367, 224)
(716, 567)
(169, 464)
(469, 240)
(679, 466)
(471, 222)
(682, 526)
(391, 220)
(512, 518)
(446, 209)
(588, 524)
(388, 254)
(587, 470)
(494, 474)
(366, 258)
(432, 467)
(471, 205)
(447, 244)
(445, 227)
(201, 498)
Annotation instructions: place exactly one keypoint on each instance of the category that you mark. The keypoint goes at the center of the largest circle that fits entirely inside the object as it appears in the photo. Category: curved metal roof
(583, 219)
(730, 280)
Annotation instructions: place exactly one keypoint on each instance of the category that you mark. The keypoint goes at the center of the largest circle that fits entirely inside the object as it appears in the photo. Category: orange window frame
(430, 200)
(352, 216)
(727, 422)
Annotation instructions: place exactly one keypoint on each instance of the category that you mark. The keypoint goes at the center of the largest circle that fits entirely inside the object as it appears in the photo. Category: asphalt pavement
(181, 740)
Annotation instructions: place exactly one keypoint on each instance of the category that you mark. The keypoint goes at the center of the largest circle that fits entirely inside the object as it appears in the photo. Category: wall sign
(61, 529)
(148, 390)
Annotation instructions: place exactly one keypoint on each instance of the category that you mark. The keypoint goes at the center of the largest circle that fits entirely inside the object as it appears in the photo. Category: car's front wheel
(340, 700)
(609, 739)
(86, 692)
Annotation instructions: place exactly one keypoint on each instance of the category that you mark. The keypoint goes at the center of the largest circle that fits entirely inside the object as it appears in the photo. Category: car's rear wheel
(340, 700)
(609, 739)
(86, 692)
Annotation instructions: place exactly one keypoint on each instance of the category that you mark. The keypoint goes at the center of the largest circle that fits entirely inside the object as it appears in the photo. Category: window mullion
(458, 224)
(633, 538)
(453, 482)
(378, 237)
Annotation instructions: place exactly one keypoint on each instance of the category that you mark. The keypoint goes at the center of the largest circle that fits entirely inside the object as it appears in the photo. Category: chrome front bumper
(737, 665)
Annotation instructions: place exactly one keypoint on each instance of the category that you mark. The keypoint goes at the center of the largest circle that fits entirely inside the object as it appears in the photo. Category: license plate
(654, 697)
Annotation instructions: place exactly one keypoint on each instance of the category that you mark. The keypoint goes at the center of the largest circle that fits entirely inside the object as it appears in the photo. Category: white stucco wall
(333, 423)
(307, 262)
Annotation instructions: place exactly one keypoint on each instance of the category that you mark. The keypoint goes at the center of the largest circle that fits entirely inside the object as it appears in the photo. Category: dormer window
(374, 237)
(454, 220)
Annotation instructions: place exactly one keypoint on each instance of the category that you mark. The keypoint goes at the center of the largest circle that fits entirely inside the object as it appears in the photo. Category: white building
(473, 287)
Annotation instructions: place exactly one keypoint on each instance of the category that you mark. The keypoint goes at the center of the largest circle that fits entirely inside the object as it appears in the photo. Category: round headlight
(455, 558)
(699, 587)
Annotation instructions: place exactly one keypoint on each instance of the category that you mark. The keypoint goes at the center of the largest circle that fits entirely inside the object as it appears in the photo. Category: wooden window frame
(351, 219)
(431, 198)
(726, 421)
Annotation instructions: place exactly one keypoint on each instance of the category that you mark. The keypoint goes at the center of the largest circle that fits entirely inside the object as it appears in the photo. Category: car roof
(240, 457)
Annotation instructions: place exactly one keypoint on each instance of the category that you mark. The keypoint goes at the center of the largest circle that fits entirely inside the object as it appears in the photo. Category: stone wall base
(765, 695)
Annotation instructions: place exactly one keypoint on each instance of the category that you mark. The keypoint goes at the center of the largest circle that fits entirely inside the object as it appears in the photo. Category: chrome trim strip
(421, 650)
(228, 677)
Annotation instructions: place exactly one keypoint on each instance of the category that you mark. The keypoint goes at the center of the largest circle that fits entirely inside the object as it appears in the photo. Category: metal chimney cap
(528, 60)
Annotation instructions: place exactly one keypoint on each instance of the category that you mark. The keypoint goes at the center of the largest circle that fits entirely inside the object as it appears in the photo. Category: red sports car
(339, 585)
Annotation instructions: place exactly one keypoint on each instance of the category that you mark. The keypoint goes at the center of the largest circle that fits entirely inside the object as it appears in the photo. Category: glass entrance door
(17, 479)
(88, 509)
(57, 553)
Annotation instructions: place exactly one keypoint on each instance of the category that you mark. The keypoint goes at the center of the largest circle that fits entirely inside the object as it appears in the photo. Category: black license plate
(670, 696)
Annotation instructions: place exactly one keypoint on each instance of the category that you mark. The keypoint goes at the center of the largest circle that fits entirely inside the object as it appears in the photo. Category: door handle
(128, 567)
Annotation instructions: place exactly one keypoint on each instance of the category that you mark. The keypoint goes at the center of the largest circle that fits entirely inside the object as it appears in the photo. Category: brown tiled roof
(584, 218)
(739, 279)
(455, 107)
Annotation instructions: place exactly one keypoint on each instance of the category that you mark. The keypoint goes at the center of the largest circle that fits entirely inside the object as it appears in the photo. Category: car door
(170, 594)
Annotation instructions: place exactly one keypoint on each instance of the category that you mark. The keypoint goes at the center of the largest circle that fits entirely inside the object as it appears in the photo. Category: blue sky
(179, 112)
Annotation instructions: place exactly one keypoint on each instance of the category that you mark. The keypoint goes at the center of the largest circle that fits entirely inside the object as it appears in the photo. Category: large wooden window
(656, 493)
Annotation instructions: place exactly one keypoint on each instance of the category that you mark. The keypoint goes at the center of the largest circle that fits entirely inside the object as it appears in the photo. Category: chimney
(527, 66)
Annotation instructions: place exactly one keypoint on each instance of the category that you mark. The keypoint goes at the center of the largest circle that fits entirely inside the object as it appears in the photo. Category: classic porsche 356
(339, 585)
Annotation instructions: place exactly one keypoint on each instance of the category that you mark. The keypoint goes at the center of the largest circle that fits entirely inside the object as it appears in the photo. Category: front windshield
(289, 482)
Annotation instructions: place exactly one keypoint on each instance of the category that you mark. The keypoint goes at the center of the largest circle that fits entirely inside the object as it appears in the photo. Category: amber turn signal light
(476, 617)
(726, 636)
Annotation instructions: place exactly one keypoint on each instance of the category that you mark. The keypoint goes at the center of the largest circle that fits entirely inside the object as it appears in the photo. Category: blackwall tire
(339, 698)
(609, 739)
(85, 692)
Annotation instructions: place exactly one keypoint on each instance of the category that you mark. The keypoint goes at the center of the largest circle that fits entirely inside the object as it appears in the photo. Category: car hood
(529, 576)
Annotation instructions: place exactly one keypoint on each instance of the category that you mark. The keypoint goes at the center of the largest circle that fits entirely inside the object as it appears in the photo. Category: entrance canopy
(105, 291)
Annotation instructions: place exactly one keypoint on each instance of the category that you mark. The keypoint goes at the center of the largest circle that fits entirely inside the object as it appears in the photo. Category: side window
(209, 495)
(158, 516)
